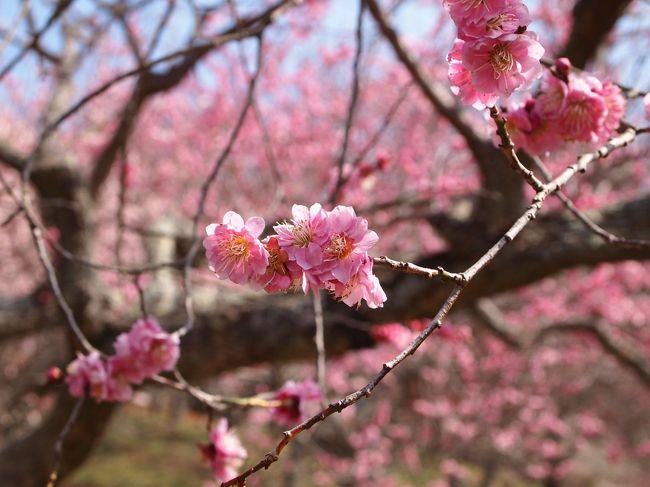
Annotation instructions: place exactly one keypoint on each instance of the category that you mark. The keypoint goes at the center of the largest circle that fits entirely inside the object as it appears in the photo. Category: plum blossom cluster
(316, 249)
(224, 452)
(140, 353)
(570, 107)
(494, 54)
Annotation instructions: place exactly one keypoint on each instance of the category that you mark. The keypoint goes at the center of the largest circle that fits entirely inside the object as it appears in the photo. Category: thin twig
(528, 216)
(585, 220)
(508, 149)
(58, 446)
(410, 268)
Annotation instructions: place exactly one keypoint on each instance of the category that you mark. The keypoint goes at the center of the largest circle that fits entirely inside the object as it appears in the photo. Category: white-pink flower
(293, 396)
(145, 351)
(234, 250)
(504, 64)
(225, 452)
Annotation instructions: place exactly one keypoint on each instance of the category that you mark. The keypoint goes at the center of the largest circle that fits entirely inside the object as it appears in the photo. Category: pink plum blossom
(362, 285)
(504, 64)
(278, 277)
(615, 105)
(507, 20)
(145, 351)
(473, 11)
(304, 236)
(224, 452)
(234, 250)
(461, 80)
(532, 131)
(348, 243)
(87, 374)
(583, 112)
(293, 396)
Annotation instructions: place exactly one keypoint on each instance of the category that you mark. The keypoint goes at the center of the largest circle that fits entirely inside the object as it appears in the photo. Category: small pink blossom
(293, 396)
(461, 80)
(532, 131)
(145, 351)
(278, 277)
(510, 18)
(472, 11)
(583, 112)
(504, 64)
(362, 285)
(303, 237)
(224, 452)
(348, 243)
(615, 106)
(234, 250)
(87, 374)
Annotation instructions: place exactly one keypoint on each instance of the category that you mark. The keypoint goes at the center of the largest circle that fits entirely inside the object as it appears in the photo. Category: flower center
(340, 246)
(237, 247)
(302, 236)
(495, 23)
(501, 59)
(277, 258)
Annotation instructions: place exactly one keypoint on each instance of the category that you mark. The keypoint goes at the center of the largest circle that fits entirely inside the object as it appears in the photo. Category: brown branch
(508, 149)
(529, 215)
(61, 7)
(593, 20)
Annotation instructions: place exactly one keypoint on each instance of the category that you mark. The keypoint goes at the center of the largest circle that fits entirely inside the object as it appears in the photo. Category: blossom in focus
(362, 285)
(512, 16)
(348, 243)
(234, 250)
(461, 80)
(473, 11)
(87, 374)
(278, 277)
(224, 452)
(293, 396)
(504, 64)
(145, 351)
(303, 237)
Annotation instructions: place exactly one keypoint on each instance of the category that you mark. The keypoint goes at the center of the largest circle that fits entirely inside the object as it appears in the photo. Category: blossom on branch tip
(234, 250)
(303, 237)
(293, 396)
(509, 19)
(504, 64)
(87, 374)
(224, 452)
(145, 351)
